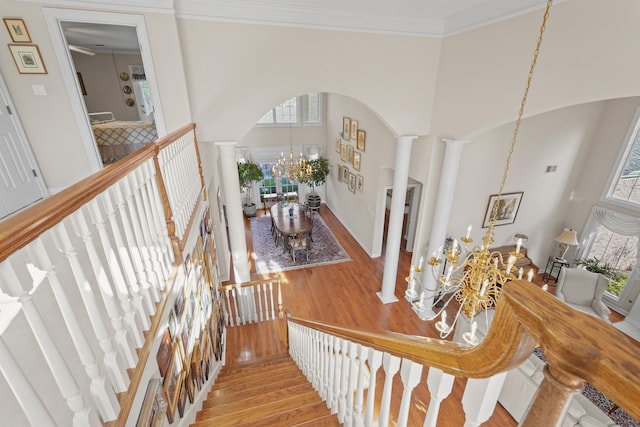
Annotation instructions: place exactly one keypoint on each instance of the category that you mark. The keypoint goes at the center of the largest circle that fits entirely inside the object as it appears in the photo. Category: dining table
(290, 219)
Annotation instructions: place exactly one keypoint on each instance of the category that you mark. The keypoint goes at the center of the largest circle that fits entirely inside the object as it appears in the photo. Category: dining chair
(300, 242)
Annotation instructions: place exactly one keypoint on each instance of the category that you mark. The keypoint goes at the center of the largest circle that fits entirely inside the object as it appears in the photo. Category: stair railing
(579, 348)
(252, 302)
(83, 275)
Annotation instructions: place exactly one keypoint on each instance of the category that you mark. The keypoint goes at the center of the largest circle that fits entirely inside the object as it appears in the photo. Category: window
(610, 246)
(301, 109)
(624, 186)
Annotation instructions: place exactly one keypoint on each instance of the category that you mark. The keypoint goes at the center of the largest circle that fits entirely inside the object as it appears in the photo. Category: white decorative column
(441, 215)
(396, 216)
(235, 217)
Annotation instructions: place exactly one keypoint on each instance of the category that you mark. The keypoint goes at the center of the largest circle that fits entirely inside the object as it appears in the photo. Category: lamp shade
(568, 237)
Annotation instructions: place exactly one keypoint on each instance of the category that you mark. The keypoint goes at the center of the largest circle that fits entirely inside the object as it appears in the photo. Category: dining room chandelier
(295, 170)
(473, 275)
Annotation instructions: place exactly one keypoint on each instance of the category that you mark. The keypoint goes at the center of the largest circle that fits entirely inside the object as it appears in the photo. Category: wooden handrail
(22, 228)
(576, 345)
(275, 279)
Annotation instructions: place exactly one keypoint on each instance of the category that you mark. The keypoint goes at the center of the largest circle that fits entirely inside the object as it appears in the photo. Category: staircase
(271, 391)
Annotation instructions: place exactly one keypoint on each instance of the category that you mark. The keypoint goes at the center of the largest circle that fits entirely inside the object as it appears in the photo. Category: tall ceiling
(412, 17)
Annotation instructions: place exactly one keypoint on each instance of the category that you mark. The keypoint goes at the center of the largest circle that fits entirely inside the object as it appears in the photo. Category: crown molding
(145, 6)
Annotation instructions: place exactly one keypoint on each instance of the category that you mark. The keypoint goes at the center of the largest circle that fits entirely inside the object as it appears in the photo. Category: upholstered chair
(583, 290)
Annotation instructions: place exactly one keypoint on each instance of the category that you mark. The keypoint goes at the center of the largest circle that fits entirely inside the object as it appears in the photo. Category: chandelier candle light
(476, 282)
(295, 170)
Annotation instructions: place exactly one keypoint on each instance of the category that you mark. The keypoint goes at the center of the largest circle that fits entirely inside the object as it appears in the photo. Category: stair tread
(229, 396)
(263, 361)
(257, 382)
(314, 415)
(329, 420)
(242, 402)
(254, 413)
(249, 374)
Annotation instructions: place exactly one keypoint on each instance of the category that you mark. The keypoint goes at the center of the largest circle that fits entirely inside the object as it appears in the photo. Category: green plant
(319, 172)
(617, 280)
(248, 173)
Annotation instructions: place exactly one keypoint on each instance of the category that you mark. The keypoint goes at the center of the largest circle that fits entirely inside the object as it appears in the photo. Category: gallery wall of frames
(351, 145)
(192, 340)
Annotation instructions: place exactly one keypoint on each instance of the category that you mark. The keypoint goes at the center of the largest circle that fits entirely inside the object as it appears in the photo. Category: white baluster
(162, 232)
(273, 303)
(344, 377)
(119, 283)
(320, 356)
(351, 384)
(118, 375)
(331, 387)
(480, 398)
(326, 357)
(337, 345)
(125, 260)
(358, 416)
(262, 312)
(230, 316)
(28, 399)
(131, 227)
(440, 386)
(410, 373)
(82, 415)
(375, 361)
(254, 306)
(391, 365)
(101, 390)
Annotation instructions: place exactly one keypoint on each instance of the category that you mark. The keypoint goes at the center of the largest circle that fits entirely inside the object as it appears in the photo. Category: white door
(19, 184)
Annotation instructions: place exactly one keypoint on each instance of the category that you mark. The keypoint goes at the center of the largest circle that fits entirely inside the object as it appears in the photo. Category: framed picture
(354, 130)
(506, 208)
(153, 405)
(338, 145)
(345, 174)
(344, 152)
(359, 183)
(17, 30)
(27, 58)
(340, 173)
(346, 127)
(164, 352)
(173, 382)
(349, 154)
(356, 160)
(361, 143)
(352, 182)
(81, 83)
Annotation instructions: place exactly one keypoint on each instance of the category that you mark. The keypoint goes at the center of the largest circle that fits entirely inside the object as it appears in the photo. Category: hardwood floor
(345, 294)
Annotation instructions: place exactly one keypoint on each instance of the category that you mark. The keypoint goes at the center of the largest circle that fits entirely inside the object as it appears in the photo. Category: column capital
(450, 141)
(223, 143)
(406, 138)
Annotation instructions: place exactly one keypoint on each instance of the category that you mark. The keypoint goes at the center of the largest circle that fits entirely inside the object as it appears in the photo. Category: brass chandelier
(295, 170)
(475, 275)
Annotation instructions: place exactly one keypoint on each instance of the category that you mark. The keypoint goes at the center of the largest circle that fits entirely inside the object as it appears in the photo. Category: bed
(117, 138)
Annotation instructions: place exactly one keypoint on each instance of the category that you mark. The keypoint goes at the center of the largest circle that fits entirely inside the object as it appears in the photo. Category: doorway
(116, 28)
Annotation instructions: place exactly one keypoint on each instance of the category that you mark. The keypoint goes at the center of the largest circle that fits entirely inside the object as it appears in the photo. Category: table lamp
(568, 237)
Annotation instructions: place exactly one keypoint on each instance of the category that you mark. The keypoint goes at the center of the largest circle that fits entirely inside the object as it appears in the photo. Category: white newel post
(410, 373)
(233, 203)
(117, 373)
(480, 398)
(441, 215)
(391, 365)
(375, 361)
(396, 216)
(23, 391)
(119, 284)
(440, 386)
(82, 415)
(101, 390)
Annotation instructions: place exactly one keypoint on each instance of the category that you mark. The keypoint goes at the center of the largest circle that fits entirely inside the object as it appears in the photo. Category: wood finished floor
(345, 294)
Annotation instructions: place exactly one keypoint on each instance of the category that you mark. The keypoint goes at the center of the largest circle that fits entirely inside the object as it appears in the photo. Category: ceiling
(412, 17)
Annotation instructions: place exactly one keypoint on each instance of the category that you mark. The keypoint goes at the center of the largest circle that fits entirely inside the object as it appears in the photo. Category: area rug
(325, 248)
(619, 416)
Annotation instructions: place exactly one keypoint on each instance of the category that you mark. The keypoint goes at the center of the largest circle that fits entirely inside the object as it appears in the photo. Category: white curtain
(617, 222)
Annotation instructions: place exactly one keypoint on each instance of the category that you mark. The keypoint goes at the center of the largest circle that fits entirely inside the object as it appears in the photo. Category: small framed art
(359, 183)
(346, 127)
(344, 152)
(354, 130)
(506, 208)
(17, 30)
(338, 145)
(345, 174)
(350, 154)
(27, 58)
(340, 173)
(361, 143)
(352, 182)
(356, 160)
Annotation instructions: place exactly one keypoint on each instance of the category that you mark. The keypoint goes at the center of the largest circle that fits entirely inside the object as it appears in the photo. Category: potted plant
(318, 176)
(617, 279)
(248, 173)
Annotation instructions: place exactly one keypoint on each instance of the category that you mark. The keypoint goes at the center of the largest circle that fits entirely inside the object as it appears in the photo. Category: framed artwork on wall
(349, 154)
(346, 127)
(340, 173)
(506, 208)
(17, 30)
(356, 160)
(352, 182)
(338, 145)
(354, 130)
(344, 152)
(345, 174)
(360, 183)
(27, 58)
(361, 143)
